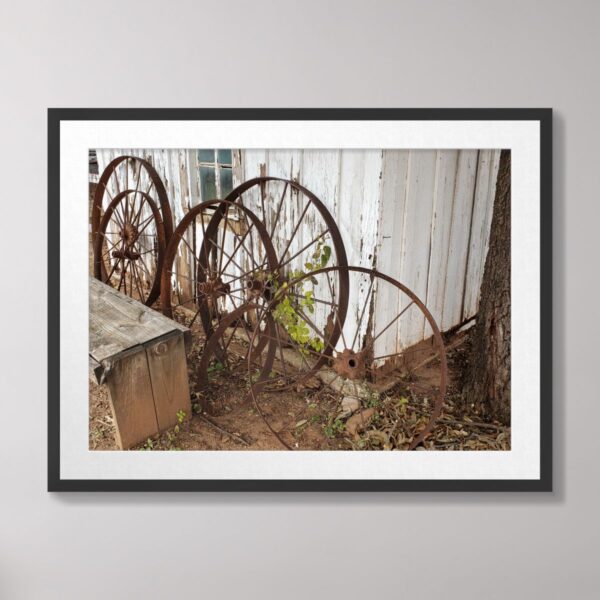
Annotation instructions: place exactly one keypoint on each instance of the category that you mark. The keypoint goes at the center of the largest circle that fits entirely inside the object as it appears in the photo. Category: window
(216, 173)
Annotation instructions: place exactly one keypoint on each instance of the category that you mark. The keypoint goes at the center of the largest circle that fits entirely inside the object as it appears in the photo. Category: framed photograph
(300, 299)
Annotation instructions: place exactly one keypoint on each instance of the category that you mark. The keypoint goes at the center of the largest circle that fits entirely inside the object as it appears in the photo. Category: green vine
(285, 312)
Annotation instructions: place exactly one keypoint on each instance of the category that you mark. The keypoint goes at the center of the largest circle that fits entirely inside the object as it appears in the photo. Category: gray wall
(419, 53)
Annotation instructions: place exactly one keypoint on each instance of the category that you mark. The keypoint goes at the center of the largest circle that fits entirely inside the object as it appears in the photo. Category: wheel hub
(128, 254)
(129, 234)
(260, 285)
(214, 288)
(349, 364)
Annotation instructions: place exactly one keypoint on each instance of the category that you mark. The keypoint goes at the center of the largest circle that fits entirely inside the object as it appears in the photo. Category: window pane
(206, 156)
(208, 183)
(224, 157)
(226, 181)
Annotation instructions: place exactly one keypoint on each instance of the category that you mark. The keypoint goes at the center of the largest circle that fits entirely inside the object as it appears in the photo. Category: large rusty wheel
(131, 173)
(210, 269)
(129, 246)
(303, 231)
(390, 341)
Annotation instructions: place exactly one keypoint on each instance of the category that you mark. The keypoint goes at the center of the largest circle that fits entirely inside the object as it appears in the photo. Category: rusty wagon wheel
(303, 231)
(129, 246)
(210, 270)
(131, 172)
(389, 344)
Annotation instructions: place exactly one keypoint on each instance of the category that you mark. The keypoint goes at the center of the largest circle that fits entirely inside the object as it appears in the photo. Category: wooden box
(140, 355)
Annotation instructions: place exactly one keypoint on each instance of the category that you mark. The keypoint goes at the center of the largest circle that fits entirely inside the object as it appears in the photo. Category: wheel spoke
(148, 221)
(237, 247)
(274, 224)
(117, 186)
(136, 220)
(362, 314)
(291, 258)
(248, 227)
(308, 203)
(390, 324)
(317, 300)
(224, 234)
(137, 281)
(341, 325)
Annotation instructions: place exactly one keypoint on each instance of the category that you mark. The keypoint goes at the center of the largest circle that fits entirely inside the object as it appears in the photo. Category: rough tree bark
(486, 388)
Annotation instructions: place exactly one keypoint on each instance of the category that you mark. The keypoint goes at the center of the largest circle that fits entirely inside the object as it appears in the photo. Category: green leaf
(325, 256)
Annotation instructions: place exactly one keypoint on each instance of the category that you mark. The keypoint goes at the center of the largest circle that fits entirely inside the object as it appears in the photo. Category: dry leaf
(359, 421)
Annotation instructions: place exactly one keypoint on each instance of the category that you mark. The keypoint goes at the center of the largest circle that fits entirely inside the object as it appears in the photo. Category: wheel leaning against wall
(129, 246)
(393, 346)
(211, 270)
(304, 233)
(116, 176)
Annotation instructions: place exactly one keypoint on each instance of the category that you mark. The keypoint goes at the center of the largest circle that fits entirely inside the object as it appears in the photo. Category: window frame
(217, 167)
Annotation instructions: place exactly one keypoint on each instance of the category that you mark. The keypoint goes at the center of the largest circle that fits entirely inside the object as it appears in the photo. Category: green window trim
(215, 172)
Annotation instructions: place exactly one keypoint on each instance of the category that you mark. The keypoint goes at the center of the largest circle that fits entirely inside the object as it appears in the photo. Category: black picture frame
(58, 115)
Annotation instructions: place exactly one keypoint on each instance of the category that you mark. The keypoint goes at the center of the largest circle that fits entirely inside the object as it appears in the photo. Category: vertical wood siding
(421, 216)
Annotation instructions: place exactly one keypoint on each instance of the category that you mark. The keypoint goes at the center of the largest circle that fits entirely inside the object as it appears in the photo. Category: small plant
(215, 367)
(373, 401)
(149, 445)
(334, 428)
(252, 379)
(402, 404)
(181, 416)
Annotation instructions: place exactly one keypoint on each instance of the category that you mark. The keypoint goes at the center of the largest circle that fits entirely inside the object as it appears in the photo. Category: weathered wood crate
(140, 355)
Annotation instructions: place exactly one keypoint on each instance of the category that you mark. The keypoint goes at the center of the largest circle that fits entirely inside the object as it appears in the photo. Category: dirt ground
(309, 419)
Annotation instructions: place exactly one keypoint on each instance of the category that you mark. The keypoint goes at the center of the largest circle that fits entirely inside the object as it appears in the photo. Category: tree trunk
(486, 388)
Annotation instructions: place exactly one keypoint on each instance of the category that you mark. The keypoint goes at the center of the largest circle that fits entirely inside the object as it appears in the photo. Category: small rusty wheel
(391, 344)
(131, 173)
(210, 269)
(129, 246)
(303, 231)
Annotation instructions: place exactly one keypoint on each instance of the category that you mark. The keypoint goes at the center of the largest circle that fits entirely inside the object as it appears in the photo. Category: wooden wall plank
(321, 175)
(360, 179)
(462, 209)
(286, 164)
(416, 239)
(443, 199)
(193, 177)
(390, 231)
(485, 189)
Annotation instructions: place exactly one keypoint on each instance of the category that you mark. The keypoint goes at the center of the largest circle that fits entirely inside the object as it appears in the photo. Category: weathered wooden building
(421, 216)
